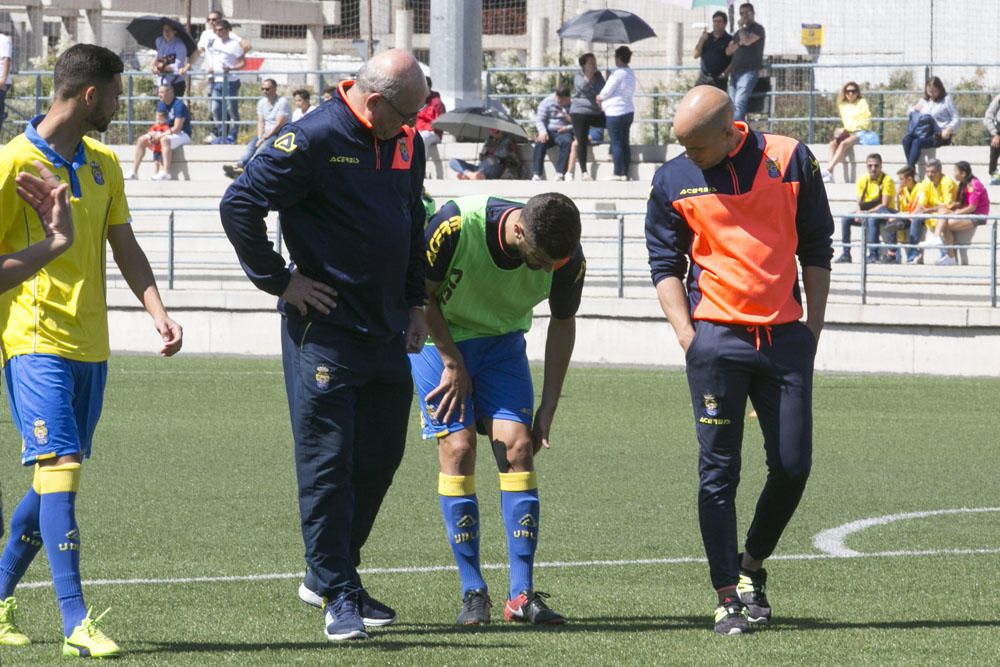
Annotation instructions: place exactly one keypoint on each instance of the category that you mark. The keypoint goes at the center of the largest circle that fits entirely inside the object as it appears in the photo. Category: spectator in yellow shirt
(897, 230)
(876, 193)
(855, 118)
(937, 192)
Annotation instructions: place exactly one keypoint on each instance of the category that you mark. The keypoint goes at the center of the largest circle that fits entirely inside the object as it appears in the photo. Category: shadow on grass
(918, 624)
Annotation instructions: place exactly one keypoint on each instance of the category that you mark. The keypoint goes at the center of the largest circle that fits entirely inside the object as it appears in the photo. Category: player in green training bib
(490, 262)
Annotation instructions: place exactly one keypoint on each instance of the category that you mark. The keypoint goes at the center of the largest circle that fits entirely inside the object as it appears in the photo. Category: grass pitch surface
(190, 530)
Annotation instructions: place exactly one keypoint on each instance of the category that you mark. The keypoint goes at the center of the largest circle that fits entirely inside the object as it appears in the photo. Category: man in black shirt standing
(747, 50)
(711, 48)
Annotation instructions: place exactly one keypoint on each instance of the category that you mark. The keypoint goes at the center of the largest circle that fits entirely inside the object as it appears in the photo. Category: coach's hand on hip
(304, 293)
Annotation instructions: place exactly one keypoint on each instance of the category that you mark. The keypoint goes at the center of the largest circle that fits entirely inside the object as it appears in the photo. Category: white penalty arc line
(429, 569)
(831, 542)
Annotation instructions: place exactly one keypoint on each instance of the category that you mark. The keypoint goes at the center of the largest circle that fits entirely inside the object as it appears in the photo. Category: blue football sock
(519, 506)
(24, 542)
(460, 510)
(58, 486)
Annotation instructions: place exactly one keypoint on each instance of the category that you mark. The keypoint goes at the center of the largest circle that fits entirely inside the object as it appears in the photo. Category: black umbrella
(146, 29)
(474, 123)
(607, 26)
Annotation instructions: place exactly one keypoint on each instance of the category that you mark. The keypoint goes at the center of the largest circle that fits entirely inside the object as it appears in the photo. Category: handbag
(868, 138)
(921, 125)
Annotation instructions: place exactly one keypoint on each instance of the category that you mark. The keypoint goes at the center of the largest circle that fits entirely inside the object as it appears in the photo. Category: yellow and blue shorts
(55, 404)
(501, 383)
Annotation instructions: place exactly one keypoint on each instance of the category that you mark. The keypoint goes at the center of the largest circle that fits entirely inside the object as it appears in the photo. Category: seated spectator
(433, 107)
(555, 128)
(619, 111)
(171, 63)
(971, 199)
(711, 48)
(992, 122)
(909, 230)
(177, 133)
(937, 191)
(876, 193)
(300, 100)
(855, 118)
(272, 114)
(933, 121)
(497, 159)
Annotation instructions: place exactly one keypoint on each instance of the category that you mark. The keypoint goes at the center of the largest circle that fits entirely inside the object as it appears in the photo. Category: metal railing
(615, 249)
(809, 91)
(38, 101)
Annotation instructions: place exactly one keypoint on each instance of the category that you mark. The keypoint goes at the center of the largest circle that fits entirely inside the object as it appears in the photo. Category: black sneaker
(731, 617)
(475, 608)
(375, 613)
(844, 258)
(752, 589)
(529, 607)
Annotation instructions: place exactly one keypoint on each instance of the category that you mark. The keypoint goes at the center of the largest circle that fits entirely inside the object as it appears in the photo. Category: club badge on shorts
(41, 432)
(322, 378)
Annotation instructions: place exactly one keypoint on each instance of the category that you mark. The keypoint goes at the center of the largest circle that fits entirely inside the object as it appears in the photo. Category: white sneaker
(932, 241)
(946, 260)
(569, 176)
(560, 177)
(535, 178)
(130, 175)
(827, 176)
(585, 176)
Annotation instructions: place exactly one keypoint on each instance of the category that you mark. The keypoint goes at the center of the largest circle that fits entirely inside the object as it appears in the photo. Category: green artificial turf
(192, 478)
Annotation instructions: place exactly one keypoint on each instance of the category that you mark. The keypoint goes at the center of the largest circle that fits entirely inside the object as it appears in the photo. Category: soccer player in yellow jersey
(55, 330)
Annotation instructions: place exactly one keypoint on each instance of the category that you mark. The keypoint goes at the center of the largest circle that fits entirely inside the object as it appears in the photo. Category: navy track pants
(773, 366)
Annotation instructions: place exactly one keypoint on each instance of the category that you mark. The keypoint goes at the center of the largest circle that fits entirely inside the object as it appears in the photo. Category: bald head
(389, 91)
(704, 107)
(393, 73)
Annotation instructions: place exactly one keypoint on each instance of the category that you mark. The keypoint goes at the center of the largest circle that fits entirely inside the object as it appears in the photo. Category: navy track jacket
(350, 212)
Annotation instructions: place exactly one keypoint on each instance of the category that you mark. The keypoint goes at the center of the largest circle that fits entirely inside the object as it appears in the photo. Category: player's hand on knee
(305, 293)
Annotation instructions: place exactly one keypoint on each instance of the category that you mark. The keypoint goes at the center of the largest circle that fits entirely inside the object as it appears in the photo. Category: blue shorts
(55, 404)
(501, 383)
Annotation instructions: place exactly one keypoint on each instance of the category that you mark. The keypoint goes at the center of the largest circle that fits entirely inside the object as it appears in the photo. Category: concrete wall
(870, 339)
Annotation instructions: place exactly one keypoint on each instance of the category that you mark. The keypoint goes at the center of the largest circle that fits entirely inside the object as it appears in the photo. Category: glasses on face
(407, 118)
(851, 91)
(267, 89)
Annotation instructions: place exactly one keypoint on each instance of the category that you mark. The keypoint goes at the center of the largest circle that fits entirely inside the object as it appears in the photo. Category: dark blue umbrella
(146, 29)
(606, 26)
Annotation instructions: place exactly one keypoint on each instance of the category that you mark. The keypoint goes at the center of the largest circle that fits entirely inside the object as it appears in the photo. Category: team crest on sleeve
(41, 432)
(95, 170)
(286, 142)
(404, 152)
(322, 378)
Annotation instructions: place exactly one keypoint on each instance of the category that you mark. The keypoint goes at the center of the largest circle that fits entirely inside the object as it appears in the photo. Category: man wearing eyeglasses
(346, 181)
(272, 114)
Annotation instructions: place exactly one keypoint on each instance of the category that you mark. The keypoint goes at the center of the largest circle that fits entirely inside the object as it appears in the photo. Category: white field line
(683, 560)
(831, 542)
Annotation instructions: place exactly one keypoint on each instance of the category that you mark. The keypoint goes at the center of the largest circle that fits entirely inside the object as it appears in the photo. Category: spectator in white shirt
(300, 100)
(616, 101)
(225, 55)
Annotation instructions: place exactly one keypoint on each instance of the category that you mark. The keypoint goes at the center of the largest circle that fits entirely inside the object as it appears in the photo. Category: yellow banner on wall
(812, 34)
